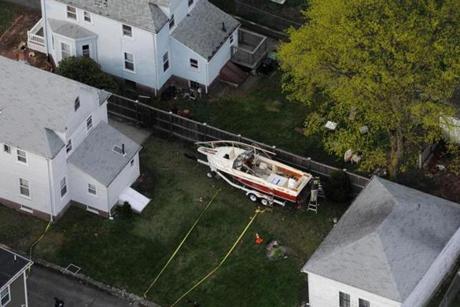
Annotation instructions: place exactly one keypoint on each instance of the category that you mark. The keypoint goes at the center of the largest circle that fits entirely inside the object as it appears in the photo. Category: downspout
(207, 77)
(155, 52)
(51, 191)
(45, 27)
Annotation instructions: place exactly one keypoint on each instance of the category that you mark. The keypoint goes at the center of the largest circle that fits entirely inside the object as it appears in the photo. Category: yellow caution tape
(230, 251)
(181, 244)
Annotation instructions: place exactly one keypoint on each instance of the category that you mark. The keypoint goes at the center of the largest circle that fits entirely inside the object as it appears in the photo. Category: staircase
(232, 74)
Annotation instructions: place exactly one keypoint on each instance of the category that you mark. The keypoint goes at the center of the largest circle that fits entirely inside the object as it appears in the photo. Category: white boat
(253, 170)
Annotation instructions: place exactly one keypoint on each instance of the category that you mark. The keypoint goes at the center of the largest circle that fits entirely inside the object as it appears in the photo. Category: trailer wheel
(253, 197)
(265, 202)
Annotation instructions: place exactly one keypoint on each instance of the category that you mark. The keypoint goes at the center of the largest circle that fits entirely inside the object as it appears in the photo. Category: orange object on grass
(259, 239)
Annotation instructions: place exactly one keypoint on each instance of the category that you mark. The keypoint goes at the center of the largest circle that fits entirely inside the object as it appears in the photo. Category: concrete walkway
(44, 285)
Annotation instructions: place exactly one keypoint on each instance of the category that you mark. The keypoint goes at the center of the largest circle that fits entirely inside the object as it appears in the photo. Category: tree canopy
(85, 70)
(389, 66)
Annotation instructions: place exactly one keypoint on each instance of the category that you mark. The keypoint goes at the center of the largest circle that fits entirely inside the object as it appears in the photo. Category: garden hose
(230, 251)
(181, 244)
(39, 239)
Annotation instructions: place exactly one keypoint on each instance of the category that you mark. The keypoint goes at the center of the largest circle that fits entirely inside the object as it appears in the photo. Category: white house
(142, 41)
(57, 146)
(391, 248)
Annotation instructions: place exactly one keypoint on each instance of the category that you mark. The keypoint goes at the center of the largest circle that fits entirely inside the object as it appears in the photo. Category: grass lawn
(260, 112)
(8, 12)
(129, 253)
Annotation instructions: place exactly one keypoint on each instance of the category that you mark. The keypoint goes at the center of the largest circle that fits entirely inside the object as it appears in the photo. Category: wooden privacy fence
(189, 130)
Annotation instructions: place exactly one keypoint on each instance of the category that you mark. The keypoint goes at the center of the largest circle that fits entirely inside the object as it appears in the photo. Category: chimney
(224, 28)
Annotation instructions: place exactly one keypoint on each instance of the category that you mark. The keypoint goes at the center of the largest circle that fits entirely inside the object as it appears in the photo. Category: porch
(252, 48)
(36, 37)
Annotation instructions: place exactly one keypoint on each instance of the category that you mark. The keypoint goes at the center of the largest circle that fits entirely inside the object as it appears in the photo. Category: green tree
(390, 65)
(85, 70)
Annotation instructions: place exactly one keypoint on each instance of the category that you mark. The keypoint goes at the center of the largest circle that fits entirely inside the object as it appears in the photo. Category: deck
(251, 49)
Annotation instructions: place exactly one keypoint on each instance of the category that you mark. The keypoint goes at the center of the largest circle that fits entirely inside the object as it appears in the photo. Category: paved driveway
(44, 285)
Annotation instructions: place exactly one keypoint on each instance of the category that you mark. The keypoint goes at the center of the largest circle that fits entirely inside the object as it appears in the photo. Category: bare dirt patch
(13, 42)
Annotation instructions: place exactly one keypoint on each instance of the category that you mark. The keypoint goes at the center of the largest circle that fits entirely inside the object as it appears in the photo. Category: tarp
(137, 201)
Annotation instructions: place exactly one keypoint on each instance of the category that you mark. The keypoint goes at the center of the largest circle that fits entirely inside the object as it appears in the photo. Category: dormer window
(71, 12)
(172, 22)
(127, 31)
(77, 104)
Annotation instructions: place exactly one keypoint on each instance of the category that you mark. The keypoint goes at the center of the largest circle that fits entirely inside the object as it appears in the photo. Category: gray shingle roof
(11, 265)
(387, 240)
(95, 156)
(34, 105)
(69, 29)
(139, 13)
(202, 29)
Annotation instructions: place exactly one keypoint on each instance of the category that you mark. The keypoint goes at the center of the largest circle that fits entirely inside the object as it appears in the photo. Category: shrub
(124, 212)
(85, 70)
(338, 187)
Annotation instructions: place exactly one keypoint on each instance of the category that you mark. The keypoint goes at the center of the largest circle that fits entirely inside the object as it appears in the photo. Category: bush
(124, 212)
(85, 70)
(338, 187)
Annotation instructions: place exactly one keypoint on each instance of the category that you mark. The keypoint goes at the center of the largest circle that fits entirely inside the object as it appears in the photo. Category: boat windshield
(244, 159)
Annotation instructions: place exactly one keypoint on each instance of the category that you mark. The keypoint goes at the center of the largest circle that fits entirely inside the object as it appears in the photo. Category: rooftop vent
(101, 3)
(224, 28)
(120, 150)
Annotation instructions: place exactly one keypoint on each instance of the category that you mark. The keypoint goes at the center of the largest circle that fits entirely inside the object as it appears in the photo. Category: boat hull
(268, 191)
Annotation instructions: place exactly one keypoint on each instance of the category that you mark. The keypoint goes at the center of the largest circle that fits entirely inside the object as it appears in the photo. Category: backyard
(258, 110)
(128, 253)
(8, 12)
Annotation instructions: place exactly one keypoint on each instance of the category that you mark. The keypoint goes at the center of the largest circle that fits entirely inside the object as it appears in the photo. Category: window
(92, 189)
(194, 63)
(68, 147)
(6, 148)
(129, 61)
(190, 2)
(71, 12)
(24, 187)
(22, 156)
(165, 61)
(344, 299)
(5, 296)
(132, 162)
(77, 104)
(89, 123)
(63, 187)
(231, 39)
(85, 51)
(127, 31)
(65, 50)
(87, 16)
(171, 22)
(364, 303)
